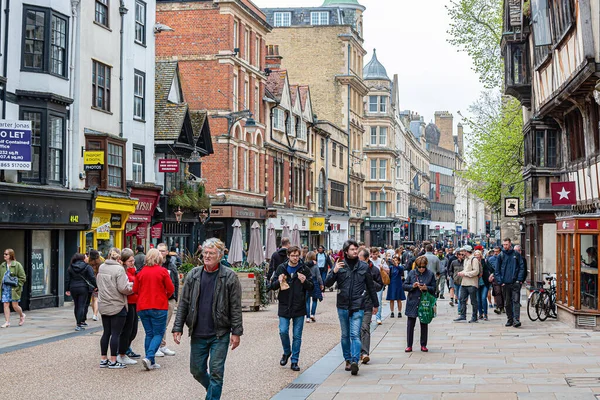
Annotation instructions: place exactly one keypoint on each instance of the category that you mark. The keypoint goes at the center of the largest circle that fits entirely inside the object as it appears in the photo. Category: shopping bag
(426, 309)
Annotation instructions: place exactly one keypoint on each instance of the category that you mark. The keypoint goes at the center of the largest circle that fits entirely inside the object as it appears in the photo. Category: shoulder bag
(8, 280)
(385, 277)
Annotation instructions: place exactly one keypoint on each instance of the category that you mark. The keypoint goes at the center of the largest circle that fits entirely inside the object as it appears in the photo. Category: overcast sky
(411, 40)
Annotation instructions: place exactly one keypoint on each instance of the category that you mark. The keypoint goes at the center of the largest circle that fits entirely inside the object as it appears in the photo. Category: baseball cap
(468, 249)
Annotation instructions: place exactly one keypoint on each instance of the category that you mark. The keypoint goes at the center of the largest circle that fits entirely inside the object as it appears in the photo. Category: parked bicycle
(542, 301)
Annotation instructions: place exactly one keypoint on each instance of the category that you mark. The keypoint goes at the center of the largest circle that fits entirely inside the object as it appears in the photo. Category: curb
(52, 339)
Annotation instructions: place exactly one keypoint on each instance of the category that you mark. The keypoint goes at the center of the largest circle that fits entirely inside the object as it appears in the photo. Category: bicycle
(542, 301)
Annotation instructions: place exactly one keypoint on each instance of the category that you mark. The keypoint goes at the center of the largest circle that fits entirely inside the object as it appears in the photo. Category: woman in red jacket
(131, 323)
(153, 286)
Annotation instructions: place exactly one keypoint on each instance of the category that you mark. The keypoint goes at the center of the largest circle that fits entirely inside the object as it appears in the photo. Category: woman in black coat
(79, 283)
(419, 280)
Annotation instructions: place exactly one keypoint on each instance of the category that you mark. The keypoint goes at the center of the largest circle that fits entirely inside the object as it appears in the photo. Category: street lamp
(204, 215)
(236, 116)
(178, 215)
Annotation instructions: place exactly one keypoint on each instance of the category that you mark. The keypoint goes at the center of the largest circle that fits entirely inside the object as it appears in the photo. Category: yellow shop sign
(317, 224)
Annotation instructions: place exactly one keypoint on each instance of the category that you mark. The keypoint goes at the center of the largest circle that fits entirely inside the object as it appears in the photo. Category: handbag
(8, 280)
(426, 311)
(90, 286)
(385, 277)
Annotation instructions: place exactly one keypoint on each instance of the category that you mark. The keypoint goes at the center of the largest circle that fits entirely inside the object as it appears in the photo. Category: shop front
(577, 270)
(338, 231)
(137, 228)
(381, 231)
(312, 229)
(221, 221)
(108, 224)
(41, 225)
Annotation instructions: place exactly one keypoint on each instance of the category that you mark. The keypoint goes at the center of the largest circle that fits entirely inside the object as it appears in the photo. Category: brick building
(220, 49)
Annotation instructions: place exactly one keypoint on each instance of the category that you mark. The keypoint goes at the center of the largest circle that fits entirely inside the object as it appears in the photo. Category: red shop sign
(141, 231)
(168, 165)
(156, 231)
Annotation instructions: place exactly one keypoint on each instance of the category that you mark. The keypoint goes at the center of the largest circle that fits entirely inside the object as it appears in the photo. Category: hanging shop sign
(141, 231)
(511, 207)
(168, 165)
(93, 161)
(103, 231)
(317, 224)
(156, 231)
(15, 145)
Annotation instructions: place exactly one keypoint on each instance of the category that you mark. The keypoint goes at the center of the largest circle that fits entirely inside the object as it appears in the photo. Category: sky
(412, 41)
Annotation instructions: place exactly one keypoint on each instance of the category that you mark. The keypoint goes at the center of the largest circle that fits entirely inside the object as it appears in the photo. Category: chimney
(459, 138)
(273, 59)
(445, 122)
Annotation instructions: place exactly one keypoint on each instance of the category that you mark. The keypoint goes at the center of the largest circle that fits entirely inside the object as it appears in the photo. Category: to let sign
(15, 145)
(93, 161)
(168, 165)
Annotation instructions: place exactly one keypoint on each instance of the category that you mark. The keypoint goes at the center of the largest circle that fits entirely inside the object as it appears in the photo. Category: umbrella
(236, 246)
(255, 253)
(286, 231)
(271, 242)
(295, 239)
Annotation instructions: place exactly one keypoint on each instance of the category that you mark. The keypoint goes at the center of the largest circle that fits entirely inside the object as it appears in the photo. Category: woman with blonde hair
(13, 278)
(113, 288)
(154, 287)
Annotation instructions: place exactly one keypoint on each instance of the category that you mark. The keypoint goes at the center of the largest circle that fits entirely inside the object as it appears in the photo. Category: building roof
(169, 116)
(276, 83)
(432, 134)
(374, 70)
(293, 93)
(342, 3)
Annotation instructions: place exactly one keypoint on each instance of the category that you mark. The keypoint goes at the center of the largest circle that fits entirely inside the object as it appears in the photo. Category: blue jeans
(311, 310)
(350, 325)
(214, 348)
(323, 274)
(380, 297)
(284, 334)
(155, 324)
(457, 294)
(482, 303)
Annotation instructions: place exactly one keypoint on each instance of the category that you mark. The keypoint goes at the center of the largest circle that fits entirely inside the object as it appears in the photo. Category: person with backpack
(365, 329)
(511, 274)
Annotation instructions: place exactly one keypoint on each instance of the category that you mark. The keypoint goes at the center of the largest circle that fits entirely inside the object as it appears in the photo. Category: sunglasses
(422, 266)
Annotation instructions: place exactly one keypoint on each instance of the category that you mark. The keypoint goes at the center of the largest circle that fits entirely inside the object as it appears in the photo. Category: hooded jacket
(277, 258)
(77, 274)
(511, 268)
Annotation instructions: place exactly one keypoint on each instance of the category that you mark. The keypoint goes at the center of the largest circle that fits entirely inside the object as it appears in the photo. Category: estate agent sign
(15, 145)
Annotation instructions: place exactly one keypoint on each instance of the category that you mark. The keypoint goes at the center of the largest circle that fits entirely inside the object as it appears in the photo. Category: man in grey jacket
(211, 307)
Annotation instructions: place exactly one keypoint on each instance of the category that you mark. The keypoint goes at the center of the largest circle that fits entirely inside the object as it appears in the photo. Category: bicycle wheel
(543, 311)
(532, 304)
(553, 308)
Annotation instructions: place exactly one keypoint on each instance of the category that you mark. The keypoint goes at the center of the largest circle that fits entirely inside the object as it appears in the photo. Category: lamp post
(236, 116)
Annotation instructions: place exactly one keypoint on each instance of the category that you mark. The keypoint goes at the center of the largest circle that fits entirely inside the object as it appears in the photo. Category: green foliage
(189, 261)
(189, 198)
(259, 272)
(495, 156)
(476, 29)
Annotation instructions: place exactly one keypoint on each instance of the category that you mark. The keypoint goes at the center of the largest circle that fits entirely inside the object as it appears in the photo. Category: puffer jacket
(471, 271)
(292, 302)
(511, 268)
(354, 285)
(414, 294)
(226, 307)
(77, 274)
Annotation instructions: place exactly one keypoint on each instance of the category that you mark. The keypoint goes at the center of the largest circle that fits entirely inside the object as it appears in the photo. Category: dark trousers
(410, 332)
(512, 297)
(129, 330)
(365, 334)
(113, 326)
(468, 291)
(80, 296)
(498, 296)
(87, 305)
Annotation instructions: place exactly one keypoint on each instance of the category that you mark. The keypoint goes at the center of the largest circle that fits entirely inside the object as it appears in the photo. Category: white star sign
(564, 194)
(587, 224)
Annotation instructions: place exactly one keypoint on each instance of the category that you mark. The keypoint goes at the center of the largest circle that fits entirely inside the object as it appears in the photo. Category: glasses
(422, 266)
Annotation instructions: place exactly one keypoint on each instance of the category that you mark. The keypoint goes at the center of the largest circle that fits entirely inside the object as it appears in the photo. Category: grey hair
(517, 247)
(126, 253)
(215, 244)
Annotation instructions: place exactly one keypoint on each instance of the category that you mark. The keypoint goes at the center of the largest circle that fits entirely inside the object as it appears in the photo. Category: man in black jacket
(365, 329)
(170, 264)
(279, 257)
(293, 279)
(354, 283)
(511, 274)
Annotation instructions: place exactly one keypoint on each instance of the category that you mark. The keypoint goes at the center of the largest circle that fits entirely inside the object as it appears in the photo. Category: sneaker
(508, 323)
(154, 366)
(159, 353)
(497, 311)
(131, 354)
(83, 324)
(517, 324)
(378, 322)
(116, 365)
(307, 320)
(22, 319)
(354, 368)
(166, 351)
(460, 319)
(5, 325)
(79, 328)
(347, 366)
(103, 363)
(313, 319)
(126, 360)
(392, 315)
(451, 303)
(485, 317)
(147, 364)
(95, 318)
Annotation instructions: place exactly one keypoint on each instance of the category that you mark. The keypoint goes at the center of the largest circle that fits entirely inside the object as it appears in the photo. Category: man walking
(510, 274)
(469, 285)
(354, 282)
(210, 291)
(433, 264)
(379, 263)
(170, 263)
(365, 329)
(324, 262)
(443, 281)
(293, 279)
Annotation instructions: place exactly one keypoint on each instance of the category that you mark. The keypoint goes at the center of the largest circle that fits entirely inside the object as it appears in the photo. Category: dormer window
(282, 19)
(319, 18)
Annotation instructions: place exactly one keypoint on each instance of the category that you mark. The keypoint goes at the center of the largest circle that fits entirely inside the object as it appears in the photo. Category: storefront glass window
(588, 261)
(570, 270)
(41, 263)
(89, 241)
(104, 245)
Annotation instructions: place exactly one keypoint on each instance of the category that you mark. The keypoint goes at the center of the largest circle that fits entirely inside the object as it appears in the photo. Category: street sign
(93, 161)
(405, 237)
(168, 165)
(396, 231)
(15, 145)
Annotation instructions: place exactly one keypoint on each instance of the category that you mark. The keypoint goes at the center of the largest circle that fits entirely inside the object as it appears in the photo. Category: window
(236, 30)
(382, 104)
(373, 136)
(382, 170)
(102, 12)
(115, 166)
(139, 92)
(278, 191)
(562, 17)
(301, 129)
(383, 204)
(382, 135)
(44, 41)
(337, 194)
(101, 86)
(319, 18)
(398, 203)
(373, 106)
(334, 153)
(138, 165)
(36, 144)
(55, 147)
(257, 103)
(321, 189)
(378, 104)
(574, 130)
(257, 52)
(140, 22)
(246, 170)
(236, 97)
(341, 157)
(283, 19)
(373, 204)
(322, 148)
(234, 170)
(373, 169)
(247, 45)
(278, 118)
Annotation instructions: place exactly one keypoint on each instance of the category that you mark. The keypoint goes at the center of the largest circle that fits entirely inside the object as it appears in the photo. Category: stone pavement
(42, 326)
(540, 360)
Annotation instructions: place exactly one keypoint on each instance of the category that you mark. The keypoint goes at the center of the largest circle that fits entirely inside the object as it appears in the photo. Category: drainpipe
(5, 61)
(350, 167)
(72, 47)
(122, 11)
